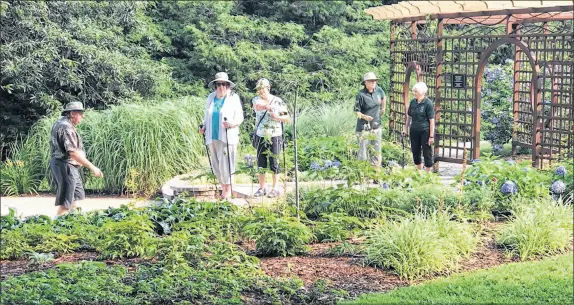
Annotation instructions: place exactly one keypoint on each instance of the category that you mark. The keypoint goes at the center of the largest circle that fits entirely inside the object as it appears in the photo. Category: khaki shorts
(370, 145)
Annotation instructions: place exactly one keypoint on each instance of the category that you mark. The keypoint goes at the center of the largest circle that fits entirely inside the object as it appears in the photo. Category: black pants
(269, 151)
(419, 141)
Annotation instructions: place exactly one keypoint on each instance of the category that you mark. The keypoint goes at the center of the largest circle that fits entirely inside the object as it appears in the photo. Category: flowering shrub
(508, 187)
(496, 104)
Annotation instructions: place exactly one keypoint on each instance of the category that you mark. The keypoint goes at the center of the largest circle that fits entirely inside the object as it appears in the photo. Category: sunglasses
(221, 84)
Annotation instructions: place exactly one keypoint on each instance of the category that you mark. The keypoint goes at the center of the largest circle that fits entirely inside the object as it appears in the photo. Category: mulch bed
(342, 272)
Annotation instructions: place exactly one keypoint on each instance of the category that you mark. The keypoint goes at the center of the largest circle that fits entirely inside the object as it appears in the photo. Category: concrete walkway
(44, 205)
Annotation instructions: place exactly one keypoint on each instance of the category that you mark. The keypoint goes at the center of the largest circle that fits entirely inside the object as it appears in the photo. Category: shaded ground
(342, 272)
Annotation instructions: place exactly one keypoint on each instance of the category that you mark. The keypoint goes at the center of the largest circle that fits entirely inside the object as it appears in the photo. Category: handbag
(254, 137)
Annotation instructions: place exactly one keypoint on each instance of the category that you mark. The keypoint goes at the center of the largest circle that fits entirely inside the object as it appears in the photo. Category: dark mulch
(342, 272)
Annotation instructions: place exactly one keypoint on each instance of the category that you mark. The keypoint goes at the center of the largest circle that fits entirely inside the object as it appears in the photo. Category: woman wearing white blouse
(223, 115)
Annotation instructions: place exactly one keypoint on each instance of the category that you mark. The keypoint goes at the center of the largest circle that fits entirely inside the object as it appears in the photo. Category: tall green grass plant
(137, 146)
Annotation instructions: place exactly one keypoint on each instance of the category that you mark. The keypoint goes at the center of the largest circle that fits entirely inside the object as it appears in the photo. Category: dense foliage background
(106, 53)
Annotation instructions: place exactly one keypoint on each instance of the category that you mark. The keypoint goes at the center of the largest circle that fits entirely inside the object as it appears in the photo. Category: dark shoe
(260, 192)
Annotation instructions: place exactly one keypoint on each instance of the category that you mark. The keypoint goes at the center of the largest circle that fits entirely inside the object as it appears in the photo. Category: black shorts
(69, 187)
(269, 150)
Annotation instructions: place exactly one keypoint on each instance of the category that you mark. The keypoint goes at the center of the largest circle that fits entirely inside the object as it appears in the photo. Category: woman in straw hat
(223, 115)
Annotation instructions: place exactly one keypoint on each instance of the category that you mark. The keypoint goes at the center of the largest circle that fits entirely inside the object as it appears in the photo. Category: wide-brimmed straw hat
(369, 76)
(74, 106)
(221, 77)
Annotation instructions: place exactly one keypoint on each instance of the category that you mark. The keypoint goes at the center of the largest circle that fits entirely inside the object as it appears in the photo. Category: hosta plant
(279, 236)
(337, 227)
(131, 237)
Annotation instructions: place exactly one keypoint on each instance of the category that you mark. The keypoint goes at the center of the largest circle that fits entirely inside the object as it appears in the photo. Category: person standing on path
(420, 118)
(67, 156)
(270, 113)
(223, 115)
(370, 106)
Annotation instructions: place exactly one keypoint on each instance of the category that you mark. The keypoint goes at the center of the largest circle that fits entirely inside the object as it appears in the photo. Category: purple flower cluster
(250, 160)
(558, 187)
(561, 171)
(509, 187)
(326, 164)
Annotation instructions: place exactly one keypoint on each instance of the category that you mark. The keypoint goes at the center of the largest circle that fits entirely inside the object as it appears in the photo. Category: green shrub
(13, 244)
(59, 243)
(544, 227)
(284, 236)
(137, 146)
(132, 237)
(420, 246)
(336, 227)
(10, 220)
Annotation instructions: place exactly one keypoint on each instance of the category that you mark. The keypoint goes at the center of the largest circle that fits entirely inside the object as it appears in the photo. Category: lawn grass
(549, 281)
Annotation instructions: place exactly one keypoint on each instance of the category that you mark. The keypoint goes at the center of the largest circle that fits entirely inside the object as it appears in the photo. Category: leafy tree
(57, 52)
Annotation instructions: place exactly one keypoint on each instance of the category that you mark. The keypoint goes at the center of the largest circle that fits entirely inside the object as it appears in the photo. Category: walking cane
(403, 144)
(284, 162)
(228, 158)
(206, 149)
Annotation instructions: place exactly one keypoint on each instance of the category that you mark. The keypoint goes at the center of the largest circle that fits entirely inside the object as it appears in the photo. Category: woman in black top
(420, 117)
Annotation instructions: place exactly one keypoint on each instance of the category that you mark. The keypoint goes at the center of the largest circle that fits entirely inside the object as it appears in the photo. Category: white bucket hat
(369, 76)
(262, 83)
(221, 77)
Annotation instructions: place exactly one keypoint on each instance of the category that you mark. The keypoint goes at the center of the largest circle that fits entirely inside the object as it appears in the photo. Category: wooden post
(438, 82)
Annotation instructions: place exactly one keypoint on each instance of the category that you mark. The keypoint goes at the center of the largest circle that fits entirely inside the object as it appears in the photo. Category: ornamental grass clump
(544, 227)
(421, 245)
(137, 146)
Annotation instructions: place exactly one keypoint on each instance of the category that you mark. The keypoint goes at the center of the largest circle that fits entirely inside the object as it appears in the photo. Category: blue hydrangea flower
(328, 163)
(508, 187)
(249, 160)
(561, 171)
(336, 164)
(480, 182)
(558, 187)
(466, 182)
(385, 186)
(315, 166)
(508, 61)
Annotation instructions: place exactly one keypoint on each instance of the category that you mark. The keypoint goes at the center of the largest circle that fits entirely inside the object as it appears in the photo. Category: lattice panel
(405, 52)
(556, 105)
(523, 100)
(543, 110)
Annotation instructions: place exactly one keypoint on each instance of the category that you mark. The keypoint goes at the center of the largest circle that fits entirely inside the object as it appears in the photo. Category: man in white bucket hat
(370, 107)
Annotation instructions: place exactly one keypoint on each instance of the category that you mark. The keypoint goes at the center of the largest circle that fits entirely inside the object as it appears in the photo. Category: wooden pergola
(447, 45)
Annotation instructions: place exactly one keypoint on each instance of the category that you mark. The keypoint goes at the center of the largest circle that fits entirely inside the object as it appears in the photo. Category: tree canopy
(105, 53)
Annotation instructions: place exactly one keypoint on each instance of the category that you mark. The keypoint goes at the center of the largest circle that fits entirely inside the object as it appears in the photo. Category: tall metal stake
(295, 151)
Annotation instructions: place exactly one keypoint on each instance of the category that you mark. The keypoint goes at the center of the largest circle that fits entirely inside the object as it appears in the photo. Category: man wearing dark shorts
(67, 156)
